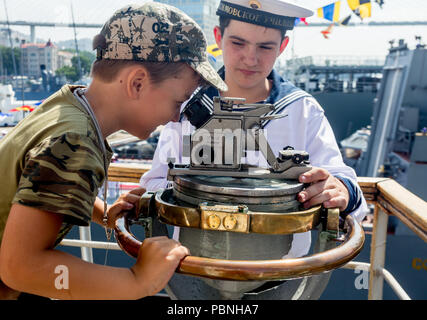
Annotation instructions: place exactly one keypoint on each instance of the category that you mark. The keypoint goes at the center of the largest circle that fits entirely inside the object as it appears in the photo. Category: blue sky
(360, 40)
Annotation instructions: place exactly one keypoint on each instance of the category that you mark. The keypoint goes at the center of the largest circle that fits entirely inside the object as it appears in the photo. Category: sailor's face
(249, 53)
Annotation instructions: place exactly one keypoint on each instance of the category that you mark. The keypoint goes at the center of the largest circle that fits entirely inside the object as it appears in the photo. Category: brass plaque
(225, 218)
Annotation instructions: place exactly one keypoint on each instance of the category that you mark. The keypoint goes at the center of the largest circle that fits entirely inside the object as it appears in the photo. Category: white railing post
(86, 252)
(378, 248)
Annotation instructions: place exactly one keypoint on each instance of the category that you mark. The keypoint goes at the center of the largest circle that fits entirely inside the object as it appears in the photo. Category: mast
(9, 32)
(13, 55)
(79, 65)
(2, 68)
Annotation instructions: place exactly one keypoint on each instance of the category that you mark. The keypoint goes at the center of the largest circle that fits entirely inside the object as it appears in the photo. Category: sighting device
(217, 147)
(238, 220)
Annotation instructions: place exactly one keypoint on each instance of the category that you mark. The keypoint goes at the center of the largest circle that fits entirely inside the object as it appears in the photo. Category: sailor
(252, 35)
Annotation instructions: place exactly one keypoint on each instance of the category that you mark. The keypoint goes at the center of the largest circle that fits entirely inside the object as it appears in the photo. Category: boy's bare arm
(28, 262)
(126, 201)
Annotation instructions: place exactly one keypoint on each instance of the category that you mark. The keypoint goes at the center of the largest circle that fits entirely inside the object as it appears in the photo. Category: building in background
(202, 11)
(37, 55)
(64, 59)
(17, 38)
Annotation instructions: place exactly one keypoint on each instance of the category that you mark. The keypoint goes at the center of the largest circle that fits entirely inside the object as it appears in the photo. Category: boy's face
(161, 102)
(249, 53)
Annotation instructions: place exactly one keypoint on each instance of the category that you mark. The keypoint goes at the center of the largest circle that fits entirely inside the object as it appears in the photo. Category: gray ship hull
(346, 112)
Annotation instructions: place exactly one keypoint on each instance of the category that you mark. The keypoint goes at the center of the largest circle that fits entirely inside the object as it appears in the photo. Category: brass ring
(259, 222)
(244, 270)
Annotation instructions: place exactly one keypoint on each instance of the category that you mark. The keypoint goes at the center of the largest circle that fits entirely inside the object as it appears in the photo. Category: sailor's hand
(157, 261)
(126, 201)
(324, 189)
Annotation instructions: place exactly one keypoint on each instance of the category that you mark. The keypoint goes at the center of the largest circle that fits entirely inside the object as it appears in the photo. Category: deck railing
(386, 195)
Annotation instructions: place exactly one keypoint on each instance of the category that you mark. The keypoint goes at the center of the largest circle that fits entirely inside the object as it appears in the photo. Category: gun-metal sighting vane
(217, 147)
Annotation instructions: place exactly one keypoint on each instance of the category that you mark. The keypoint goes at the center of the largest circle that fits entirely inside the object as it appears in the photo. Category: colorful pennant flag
(327, 31)
(214, 50)
(380, 3)
(345, 21)
(330, 12)
(298, 20)
(361, 8)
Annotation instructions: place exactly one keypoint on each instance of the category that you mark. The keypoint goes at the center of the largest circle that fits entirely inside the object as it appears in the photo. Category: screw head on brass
(229, 222)
(214, 221)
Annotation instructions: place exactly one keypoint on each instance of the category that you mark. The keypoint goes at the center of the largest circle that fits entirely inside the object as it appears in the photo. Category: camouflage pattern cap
(156, 32)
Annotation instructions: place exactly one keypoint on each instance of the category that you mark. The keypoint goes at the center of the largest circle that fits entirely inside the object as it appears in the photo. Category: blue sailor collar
(279, 89)
(282, 93)
(274, 76)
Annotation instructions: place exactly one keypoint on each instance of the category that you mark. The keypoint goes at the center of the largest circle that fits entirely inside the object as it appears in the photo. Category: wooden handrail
(403, 202)
(387, 193)
(127, 172)
(398, 201)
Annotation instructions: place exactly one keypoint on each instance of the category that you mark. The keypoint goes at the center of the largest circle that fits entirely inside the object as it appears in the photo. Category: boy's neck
(100, 101)
(253, 95)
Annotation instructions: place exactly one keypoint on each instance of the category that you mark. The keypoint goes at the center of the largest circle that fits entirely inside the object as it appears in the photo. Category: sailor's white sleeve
(324, 152)
(306, 128)
(168, 147)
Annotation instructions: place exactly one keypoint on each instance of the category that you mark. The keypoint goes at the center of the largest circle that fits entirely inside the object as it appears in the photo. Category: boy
(252, 35)
(149, 60)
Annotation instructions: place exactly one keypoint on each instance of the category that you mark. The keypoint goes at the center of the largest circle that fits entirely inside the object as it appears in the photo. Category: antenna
(420, 43)
(2, 68)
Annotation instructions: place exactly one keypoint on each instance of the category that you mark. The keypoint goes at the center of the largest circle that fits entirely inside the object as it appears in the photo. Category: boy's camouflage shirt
(52, 161)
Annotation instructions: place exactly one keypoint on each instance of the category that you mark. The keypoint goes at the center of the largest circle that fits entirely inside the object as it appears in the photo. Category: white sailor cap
(276, 14)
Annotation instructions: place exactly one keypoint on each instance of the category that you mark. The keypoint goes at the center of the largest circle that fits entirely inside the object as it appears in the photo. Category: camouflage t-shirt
(52, 161)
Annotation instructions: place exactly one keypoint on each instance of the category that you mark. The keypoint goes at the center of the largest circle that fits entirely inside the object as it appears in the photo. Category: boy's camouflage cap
(156, 32)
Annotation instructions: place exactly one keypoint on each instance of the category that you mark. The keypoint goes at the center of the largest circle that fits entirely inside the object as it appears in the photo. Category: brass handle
(125, 239)
(258, 269)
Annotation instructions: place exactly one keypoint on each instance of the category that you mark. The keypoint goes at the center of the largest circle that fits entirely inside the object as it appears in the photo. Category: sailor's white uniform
(305, 128)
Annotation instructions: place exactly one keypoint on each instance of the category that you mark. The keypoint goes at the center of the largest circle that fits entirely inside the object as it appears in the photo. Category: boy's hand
(324, 189)
(126, 201)
(157, 260)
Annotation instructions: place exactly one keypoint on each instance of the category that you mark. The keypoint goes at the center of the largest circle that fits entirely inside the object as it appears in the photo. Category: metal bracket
(333, 219)
(144, 213)
(146, 223)
(330, 226)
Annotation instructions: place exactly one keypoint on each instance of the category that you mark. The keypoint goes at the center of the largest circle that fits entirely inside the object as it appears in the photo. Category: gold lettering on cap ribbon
(239, 13)
(275, 21)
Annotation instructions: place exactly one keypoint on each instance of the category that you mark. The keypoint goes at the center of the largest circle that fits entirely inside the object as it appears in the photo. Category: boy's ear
(284, 44)
(218, 36)
(136, 81)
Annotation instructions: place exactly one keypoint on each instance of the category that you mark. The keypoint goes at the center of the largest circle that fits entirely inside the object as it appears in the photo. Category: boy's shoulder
(62, 112)
(63, 98)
